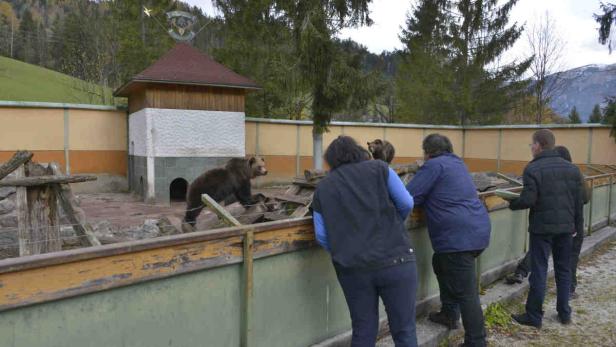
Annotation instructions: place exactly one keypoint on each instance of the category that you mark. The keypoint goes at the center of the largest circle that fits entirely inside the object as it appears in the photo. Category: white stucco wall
(187, 133)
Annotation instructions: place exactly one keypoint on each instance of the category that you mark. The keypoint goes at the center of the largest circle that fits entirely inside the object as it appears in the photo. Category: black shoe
(514, 278)
(443, 319)
(564, 321)
(524, 320)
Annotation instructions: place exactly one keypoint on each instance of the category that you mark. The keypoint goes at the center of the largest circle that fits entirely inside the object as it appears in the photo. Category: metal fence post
(592, 190)
(609, 200)
(246, 340)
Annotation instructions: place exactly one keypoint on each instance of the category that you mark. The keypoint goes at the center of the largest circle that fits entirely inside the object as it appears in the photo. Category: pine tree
(574, 116)
(423, 79)
(595, 116)
(481, 34)
(26, 40)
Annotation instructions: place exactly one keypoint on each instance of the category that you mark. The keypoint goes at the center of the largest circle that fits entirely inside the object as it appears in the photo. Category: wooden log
(21, 204)
(44, 180)
(219, 210)
(304, 184)
(302, 211)
(38, 229)
(509, 179)
(18, 159)
(313, 175)
(297, 199)
(75, 215)
(293, 190)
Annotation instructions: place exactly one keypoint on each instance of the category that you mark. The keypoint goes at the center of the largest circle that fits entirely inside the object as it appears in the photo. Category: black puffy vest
(364, 229)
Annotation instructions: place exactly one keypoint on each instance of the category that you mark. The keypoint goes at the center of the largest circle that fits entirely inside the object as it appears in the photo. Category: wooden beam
(302, 211)
(297, 199)
(21, 204)
(219, 210)
(509, 179)
(44, 180)
(18, 159)
(74, 214)
(592, 167)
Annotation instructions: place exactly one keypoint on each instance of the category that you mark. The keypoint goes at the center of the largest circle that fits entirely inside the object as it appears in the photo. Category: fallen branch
(18, 159)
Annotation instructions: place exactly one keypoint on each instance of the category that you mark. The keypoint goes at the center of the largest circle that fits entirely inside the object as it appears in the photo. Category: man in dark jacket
(553, 192)
(459, 229)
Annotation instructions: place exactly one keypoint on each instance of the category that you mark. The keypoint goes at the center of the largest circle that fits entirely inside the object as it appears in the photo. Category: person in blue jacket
(359, 210)
(459, 229)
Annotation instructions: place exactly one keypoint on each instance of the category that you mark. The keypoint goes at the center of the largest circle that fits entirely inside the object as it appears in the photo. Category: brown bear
(233, 179)
(382, 149)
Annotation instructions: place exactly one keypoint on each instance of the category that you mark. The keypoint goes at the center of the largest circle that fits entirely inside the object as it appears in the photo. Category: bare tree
(548, 48)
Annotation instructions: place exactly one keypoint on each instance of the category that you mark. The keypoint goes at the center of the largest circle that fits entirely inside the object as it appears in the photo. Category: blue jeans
(540, 247)
(397, 287)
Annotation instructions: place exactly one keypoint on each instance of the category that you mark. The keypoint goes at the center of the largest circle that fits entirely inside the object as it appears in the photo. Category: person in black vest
(459, 229)
(523, 268)
(359, 210)
(553, 190)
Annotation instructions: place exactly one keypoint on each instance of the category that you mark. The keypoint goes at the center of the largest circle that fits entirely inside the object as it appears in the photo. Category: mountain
(584, 87)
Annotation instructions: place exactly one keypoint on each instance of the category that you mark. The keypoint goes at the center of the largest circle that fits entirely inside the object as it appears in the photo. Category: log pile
(41, 192)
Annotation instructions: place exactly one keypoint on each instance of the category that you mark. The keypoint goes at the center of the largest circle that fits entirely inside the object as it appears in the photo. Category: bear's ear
(378, 141)
(252, 160)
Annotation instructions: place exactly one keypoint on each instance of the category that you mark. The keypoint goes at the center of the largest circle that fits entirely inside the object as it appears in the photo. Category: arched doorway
(178, 189)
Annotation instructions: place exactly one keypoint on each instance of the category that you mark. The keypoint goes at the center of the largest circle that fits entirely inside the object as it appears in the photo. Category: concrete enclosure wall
(94, 139)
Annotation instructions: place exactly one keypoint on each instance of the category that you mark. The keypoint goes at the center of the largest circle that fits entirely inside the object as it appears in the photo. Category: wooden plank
(42, 260)
(297, 199)
(509, 179)
(44, 180)
(36, 285)
(220, 211)
(44, 226)
(75, 215)
(21, 204)
(302, 211)
(18, 159)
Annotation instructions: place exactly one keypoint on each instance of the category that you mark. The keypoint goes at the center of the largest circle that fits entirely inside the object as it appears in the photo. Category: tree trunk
(317, 150)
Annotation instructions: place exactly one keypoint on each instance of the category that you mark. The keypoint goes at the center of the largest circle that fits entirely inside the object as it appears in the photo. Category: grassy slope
(20, 81)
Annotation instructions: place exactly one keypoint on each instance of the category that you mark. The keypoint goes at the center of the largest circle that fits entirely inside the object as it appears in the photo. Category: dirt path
(594, 311)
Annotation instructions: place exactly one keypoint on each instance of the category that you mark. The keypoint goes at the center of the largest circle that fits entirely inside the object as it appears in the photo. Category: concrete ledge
(430, 334)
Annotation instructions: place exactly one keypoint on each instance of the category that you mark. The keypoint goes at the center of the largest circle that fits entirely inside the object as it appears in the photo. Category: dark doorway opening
(178, 189)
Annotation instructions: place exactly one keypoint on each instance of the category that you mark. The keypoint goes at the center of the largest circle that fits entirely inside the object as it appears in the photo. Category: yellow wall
(32, 129)
(603, 147)
(481, 144)
(97, 130)
(96, 138)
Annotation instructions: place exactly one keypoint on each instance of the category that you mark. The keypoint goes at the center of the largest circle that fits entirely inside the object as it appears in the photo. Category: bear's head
(257, 167)
(375, 146)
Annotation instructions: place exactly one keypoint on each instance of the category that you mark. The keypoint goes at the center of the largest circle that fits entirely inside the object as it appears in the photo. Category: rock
(5, 192)
(7, 206)
(482, 181)
(150, 229)
(8, 221)
(169, 225)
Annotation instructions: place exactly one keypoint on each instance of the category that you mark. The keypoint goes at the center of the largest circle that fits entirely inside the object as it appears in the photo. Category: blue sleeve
(422, 183)
(399, 195)
(320, 232)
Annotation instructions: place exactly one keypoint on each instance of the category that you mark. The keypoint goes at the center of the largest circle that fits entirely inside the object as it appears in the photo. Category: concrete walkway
(597, 286)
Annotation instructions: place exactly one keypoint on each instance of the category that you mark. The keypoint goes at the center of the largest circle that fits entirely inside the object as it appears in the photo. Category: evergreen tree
(606, 20)
(483, 89)
(574, 116)
(595, 116)
(423, 77)
(26, 41)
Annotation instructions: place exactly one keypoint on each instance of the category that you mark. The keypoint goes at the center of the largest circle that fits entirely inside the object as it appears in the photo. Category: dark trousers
(397, 287)
(540, 247)
(457, 282)
(523, 267)
(578, 239)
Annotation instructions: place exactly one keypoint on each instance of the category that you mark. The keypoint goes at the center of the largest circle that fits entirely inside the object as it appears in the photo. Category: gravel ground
(594, 311)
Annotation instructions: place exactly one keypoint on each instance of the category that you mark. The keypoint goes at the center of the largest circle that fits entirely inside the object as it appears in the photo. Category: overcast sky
(573, 19)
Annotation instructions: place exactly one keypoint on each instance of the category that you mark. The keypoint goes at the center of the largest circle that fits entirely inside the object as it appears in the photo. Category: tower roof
(186, 65)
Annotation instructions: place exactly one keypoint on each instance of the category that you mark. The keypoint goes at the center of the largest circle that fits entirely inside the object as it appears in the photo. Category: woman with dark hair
(359, 211)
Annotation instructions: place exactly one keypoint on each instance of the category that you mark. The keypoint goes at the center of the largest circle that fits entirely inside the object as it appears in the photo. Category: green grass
(20, 81)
